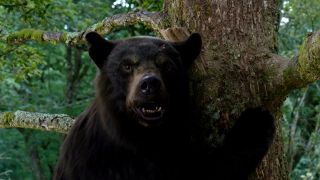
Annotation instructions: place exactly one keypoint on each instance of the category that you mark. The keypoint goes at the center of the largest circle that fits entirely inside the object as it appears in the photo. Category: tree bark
(234, 70)
(42, 121)
(238, 67)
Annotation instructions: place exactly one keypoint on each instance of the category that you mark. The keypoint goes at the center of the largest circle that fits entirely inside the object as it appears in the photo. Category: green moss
(64, 36)
(26, 34)
(98, 27)
(307, 69)
(8, 117)
(293, 78)
(309, 59)
(303, 58)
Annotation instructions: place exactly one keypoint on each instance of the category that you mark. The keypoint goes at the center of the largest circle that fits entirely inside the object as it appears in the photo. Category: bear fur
(138, 126)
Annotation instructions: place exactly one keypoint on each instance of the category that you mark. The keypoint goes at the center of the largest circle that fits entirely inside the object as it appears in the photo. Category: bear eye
(128, 65)
(127, 68)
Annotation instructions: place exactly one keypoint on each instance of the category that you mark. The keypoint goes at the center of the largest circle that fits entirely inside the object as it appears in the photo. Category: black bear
(137, 128)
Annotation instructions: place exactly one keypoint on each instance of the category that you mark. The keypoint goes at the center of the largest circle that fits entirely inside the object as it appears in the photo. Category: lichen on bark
(41, 121)
(7, 118)
(309, 58)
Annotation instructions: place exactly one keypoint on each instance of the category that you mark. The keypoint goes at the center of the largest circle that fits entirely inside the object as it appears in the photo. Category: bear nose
(150, 84)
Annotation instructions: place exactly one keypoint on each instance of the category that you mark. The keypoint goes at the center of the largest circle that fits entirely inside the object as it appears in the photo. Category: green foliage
(13, 157)
(153, 5)
(134, 5)
(301, 119)
(27, 7)
(298, 18)
(19, 62)
(21, 150)
(301, 128)
(40, 77)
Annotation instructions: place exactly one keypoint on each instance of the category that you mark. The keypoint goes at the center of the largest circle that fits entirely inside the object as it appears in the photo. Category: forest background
(55, 78)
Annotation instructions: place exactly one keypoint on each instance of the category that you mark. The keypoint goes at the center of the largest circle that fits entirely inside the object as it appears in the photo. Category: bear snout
(150, 85)
(147, 98)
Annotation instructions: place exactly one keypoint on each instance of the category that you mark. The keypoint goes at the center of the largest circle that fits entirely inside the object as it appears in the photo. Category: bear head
(143, 79)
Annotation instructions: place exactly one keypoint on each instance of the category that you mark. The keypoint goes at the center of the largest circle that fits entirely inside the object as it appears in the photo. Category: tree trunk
(76, 70)
(234, 69)
(33, 155)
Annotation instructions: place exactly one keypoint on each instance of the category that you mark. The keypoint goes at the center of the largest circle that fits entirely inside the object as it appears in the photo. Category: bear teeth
(157, 109)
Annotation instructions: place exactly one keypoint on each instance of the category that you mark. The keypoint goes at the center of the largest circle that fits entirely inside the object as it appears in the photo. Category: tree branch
(153, 20)
(297, 72)
(305, 68)
(49, 122)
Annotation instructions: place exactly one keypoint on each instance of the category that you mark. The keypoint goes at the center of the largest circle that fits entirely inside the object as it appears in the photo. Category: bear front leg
(246, 144)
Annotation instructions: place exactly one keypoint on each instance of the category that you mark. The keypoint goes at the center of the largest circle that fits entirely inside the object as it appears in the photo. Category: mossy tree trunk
(234, 69)
(238, 66)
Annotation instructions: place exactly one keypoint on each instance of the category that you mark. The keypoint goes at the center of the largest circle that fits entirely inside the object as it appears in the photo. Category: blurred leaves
(36, 77)
(298, 18)
(301, 110)
(19, 62)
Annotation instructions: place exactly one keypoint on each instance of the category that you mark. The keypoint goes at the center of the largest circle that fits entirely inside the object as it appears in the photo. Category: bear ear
(99, 48)
(189, 49)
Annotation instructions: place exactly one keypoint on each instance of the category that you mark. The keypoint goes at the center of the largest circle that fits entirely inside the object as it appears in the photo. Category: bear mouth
(150, 113)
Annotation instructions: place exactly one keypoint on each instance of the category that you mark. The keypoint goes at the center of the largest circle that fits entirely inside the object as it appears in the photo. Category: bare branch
(42, 121)
(152, 20)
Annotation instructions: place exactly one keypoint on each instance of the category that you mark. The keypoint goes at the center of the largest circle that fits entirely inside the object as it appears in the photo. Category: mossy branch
(42, 121)
(289, 74)
(152, 20)
(305, 68)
